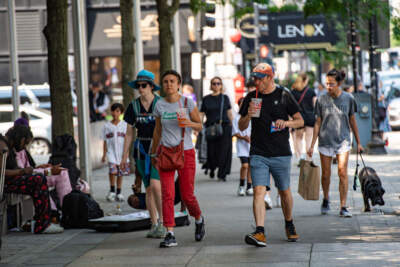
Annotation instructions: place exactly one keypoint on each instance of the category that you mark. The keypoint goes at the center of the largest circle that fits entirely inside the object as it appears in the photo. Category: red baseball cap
(262, 70)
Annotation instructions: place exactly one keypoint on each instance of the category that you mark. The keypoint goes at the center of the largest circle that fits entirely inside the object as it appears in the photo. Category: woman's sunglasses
(143, 85)
(216, 83)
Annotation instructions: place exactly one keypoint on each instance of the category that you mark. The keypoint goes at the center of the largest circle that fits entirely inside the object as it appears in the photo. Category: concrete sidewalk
(366, 239)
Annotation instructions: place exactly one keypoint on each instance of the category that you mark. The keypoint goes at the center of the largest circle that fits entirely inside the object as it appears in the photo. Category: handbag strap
(222, 108)
(302, 96)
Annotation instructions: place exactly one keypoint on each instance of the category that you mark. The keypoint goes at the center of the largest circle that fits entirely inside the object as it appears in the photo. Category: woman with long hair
(168, 134)
(335, 119)
(306, 99)
(219, 150)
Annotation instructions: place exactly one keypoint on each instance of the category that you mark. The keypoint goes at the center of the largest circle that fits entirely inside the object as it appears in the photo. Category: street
(367, 239)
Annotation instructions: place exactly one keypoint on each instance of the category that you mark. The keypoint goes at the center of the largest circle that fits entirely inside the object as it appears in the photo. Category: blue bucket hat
(144, 76)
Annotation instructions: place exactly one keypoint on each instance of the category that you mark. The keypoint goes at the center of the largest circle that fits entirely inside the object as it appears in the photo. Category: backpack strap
(286, 93)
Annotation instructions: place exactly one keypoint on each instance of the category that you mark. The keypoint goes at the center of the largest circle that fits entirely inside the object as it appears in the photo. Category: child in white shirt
(114, 135)
(243, 152)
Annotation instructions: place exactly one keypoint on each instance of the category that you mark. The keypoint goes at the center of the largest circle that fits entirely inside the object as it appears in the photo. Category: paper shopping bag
(309, 180)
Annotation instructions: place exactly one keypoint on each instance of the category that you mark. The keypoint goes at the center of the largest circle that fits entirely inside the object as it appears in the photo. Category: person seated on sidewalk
(24, 181)
(57, 177)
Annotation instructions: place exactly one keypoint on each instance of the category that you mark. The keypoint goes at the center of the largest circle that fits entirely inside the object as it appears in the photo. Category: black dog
(371, 188)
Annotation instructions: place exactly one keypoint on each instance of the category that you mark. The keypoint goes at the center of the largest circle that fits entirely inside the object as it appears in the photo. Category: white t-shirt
(242, 147)
(114, 135)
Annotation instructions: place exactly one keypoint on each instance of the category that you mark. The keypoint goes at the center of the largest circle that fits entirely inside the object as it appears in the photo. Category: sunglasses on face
(143, 85)
(216, 83)
(331, 84)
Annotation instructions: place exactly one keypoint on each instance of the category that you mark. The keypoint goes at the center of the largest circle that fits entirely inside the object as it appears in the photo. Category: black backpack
(64, 152)
(78, 208)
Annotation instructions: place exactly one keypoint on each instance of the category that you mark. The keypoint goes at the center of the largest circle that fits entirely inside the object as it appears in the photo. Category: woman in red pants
(168, 133)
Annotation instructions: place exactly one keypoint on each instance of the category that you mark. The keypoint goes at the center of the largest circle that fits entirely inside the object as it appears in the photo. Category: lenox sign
(295, 29)
(292, 31)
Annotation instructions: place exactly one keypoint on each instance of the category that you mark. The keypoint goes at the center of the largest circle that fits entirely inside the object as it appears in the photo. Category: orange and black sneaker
(291, 234)
(256, 239)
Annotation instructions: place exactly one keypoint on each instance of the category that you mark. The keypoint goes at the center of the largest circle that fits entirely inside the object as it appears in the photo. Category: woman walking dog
(335, 117)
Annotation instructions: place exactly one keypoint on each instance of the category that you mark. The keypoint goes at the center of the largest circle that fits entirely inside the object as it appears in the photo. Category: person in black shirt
(306, 99)
(98, 102)
(219, 150)
(269, 149)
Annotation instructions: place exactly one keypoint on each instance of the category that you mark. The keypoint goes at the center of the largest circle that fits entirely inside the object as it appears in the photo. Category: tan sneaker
(291, 234)
(152, 232)
(256, 239)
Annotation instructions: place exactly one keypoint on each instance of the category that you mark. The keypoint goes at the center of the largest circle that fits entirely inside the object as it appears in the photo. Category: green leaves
(396, 28)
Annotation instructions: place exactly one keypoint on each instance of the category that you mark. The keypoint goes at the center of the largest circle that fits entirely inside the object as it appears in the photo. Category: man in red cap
(269, 108)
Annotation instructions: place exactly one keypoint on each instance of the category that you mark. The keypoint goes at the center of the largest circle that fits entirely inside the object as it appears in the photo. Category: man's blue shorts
(279, 167)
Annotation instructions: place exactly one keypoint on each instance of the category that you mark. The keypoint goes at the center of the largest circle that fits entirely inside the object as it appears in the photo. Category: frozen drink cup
(181, 116)
(257, 102)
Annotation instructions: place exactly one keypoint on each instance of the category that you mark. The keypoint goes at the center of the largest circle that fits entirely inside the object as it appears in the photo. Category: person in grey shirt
(168, 133)
(335, 117)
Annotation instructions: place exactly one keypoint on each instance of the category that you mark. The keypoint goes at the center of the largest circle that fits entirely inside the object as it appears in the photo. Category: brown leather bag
(172, 158)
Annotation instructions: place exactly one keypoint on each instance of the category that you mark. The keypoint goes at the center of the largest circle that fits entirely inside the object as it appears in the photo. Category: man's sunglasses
(143, 85)
(216, 83)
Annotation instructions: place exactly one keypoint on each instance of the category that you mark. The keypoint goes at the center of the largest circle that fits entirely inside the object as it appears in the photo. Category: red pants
(186, 186)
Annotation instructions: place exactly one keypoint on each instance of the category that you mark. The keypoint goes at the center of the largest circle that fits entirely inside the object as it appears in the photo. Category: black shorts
(244, 159)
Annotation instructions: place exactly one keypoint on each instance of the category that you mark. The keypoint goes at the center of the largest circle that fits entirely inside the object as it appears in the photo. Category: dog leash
(356, 172)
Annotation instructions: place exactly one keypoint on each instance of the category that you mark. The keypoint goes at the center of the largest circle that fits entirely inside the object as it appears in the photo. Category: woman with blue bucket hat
(139, 115)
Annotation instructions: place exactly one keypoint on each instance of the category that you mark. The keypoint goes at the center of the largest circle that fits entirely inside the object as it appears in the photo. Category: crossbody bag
(215, 130)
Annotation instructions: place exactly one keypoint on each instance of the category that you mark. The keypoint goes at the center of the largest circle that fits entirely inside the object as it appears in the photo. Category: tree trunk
(57, 47)
(128, 54)
(165, 16)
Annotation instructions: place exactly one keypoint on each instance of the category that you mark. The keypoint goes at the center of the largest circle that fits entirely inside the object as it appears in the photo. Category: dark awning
(104, 32)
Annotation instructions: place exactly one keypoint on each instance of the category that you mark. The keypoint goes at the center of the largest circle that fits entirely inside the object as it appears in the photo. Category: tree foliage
(396, 28)
(341, 11)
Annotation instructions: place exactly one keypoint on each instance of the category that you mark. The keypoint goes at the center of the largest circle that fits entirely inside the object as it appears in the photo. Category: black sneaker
(325, 207)
(169, 241)
(212, 174)
(200, 230)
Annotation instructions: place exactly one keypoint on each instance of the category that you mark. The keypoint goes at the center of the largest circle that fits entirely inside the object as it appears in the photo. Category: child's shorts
(116, 170)
(244, 160)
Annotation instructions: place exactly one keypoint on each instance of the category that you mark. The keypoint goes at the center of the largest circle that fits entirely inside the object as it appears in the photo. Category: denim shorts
(332, 152)
(263, 167)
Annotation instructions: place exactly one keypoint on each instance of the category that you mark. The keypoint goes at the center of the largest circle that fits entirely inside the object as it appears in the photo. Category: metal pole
(203, 63)
(14, 70)
(138, 34)
(353, 50)
(377, 145)
(257, 33)
(177, 43)
(81, 70)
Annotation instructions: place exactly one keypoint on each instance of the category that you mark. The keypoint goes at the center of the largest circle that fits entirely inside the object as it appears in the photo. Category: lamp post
(376, 146)
(14, 69)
